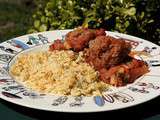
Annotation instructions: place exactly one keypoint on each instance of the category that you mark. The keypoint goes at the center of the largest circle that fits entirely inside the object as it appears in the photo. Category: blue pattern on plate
(99, 100)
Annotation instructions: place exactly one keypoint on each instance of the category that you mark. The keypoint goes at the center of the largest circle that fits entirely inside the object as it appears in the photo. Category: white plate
(143, 89)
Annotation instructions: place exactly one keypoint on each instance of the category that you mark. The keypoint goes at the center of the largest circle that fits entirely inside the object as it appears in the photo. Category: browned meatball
(106, 51)
(125, 73)
(57, 45)
(79, 38)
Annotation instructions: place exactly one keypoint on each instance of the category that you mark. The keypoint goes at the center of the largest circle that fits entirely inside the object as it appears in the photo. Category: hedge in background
(135, 17)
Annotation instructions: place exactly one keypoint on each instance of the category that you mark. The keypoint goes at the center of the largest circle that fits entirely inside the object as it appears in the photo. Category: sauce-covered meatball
(78, 39)
(106, 51)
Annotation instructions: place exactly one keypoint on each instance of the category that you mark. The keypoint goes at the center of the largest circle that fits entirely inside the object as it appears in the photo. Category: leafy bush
(135, 17)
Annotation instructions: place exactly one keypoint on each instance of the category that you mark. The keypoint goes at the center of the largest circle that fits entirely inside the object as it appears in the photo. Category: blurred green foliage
(135, 17)
(15, 19)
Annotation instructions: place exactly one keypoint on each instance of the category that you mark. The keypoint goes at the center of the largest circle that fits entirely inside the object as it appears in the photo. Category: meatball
(106, 51)
(57, 45)
(78, 39)
(125, 73)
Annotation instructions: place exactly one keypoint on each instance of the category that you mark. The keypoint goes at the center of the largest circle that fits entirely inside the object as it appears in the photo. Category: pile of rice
(57, 72)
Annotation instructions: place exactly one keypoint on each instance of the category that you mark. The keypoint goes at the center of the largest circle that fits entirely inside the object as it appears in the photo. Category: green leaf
(36, 23)
(142, 15)
(49, 5)
(126, 24)
(130, 12)
(49, 14)
(43, 27)
(150, 21)
(32, 31)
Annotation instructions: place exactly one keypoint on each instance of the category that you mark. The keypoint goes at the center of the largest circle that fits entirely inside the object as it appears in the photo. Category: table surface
(147, 111)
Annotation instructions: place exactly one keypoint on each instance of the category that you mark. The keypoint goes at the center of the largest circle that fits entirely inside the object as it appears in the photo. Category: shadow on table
(142, 111)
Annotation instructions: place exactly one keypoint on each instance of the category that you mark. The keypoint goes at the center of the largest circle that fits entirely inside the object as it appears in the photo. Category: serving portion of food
(58, 72)
(85, 63)
(108, 55)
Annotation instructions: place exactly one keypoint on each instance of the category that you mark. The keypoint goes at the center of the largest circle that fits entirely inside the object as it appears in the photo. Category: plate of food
(79, 70)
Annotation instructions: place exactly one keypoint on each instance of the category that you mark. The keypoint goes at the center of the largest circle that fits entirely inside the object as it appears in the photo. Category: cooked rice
(57, 72)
